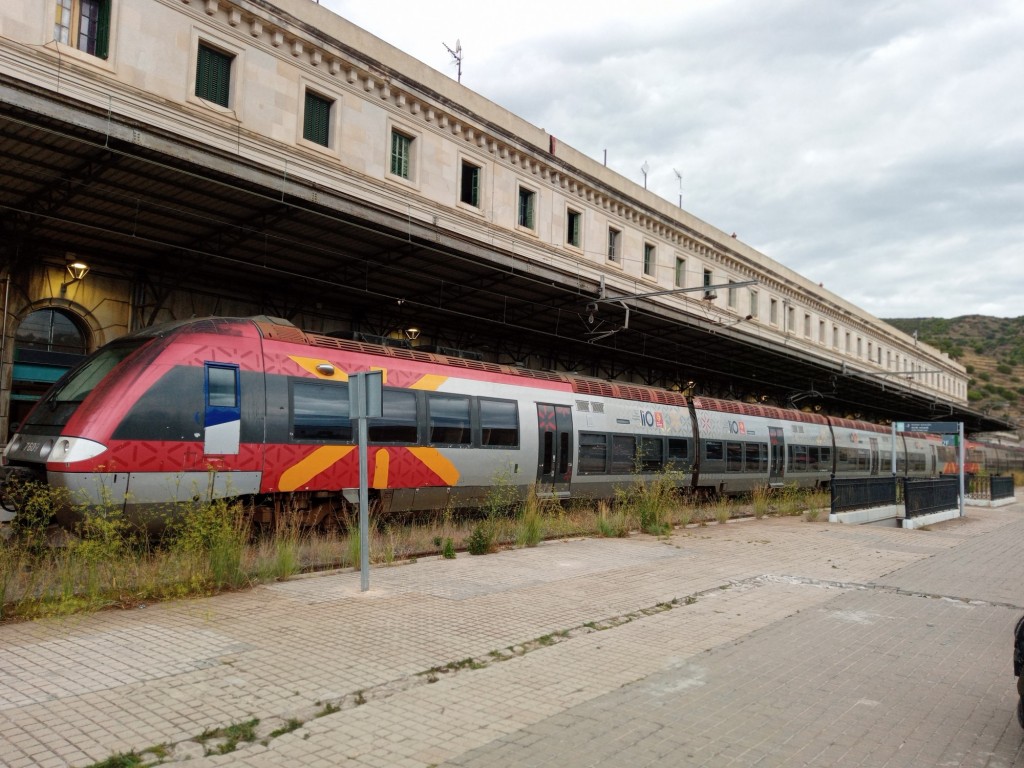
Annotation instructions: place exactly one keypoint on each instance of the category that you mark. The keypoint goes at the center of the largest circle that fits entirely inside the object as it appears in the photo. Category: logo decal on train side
(652, 419)
(737, 427)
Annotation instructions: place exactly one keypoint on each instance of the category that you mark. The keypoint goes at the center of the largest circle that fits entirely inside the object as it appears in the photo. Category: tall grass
(530, 520)
(210, 547)
(651, 501)
(761, 500)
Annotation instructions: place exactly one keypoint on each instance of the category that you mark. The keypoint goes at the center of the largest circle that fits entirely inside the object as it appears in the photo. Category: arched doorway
(46, 344)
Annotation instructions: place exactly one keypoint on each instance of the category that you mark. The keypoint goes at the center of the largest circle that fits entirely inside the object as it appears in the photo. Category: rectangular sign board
(931, 427)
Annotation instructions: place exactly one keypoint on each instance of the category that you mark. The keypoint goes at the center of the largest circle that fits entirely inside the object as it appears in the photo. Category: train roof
(756, 409)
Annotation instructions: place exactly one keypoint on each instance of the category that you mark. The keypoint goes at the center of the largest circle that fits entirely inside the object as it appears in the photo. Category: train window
(847, 459)
(652, 454)
(593, 453)
(623, 453)
(734, 457)
(222, 386)
(398, 424)
(448, 417)
(678, 452)
(813, 458)
(755, 457)
(825, 454)
(798, 459)
(320, 411)
(917, 462)
(499, 423)
(713, 450)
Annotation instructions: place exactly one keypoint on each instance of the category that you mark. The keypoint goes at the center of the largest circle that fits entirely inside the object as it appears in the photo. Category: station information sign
(931, 427)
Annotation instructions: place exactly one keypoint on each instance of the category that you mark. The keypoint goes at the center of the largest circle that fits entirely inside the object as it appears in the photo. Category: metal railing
(862, 493)
(1001, 487)
(987, 486)
(922, 497)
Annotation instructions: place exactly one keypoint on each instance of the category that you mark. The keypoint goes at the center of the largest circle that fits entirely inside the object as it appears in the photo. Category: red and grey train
(258, 409)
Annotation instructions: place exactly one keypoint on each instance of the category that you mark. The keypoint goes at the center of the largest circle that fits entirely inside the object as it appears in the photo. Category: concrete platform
(773, 642)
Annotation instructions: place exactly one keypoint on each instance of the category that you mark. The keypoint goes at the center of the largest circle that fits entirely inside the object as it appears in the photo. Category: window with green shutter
(213, 75)
(316, 124)
(572, 227)
(526, 206)
(401, 154)
(613, 244)
(84, 24)
(680, 273)
(649, 260)
(470, 192)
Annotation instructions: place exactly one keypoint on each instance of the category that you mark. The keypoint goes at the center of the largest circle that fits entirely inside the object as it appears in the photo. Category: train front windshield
(60, 402)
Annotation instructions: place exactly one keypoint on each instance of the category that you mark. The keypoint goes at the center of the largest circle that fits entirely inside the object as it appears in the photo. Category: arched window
(47, 343)
(51, 330)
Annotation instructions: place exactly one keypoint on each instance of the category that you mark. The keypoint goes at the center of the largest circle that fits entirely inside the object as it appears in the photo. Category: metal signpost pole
(366, 402)
(895, 480)
(960, 437)
(893, 462)
(364, 492)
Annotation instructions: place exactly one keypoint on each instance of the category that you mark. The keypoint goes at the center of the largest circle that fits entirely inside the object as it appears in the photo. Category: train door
(875, 458)
(554, 465)
(776, 457)
(223, 410)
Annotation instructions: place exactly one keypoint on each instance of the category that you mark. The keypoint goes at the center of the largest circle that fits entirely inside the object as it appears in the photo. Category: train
(259, 410)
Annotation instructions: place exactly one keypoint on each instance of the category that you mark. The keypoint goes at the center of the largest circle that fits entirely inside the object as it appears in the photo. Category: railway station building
(164, 159)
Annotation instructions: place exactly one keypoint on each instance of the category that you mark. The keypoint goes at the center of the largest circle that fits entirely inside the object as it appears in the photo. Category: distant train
(257, 409)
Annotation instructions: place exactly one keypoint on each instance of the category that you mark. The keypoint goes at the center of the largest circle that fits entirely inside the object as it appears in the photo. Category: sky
(873, 146)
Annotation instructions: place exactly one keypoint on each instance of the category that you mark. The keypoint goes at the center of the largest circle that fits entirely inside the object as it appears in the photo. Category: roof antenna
(457, 55)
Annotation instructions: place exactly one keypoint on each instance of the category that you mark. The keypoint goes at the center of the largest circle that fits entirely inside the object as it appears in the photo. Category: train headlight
(72, 449)
(14, 445)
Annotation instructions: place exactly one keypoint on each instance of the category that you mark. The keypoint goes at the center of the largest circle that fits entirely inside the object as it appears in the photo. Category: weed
(650, 501)
(229, 737)
(502, 498)
(481, 539)
(328, 709)
(353, 551)
(292, 725)
(530, 524)
(761, 498)
(36, 504)
(121, 760)
(790, 500)
(448, 551)
(723, 509)
(611, 524)
(683, 515)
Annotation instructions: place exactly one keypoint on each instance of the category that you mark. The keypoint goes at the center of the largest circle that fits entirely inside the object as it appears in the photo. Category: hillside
(992, 350)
